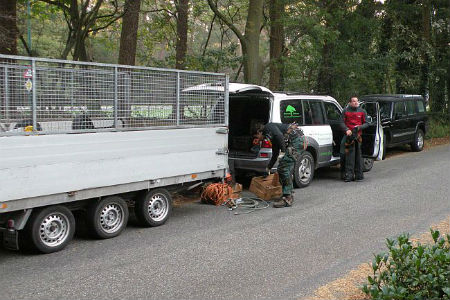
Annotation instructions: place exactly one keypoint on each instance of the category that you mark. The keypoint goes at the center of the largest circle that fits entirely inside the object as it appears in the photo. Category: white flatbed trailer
(101, 139)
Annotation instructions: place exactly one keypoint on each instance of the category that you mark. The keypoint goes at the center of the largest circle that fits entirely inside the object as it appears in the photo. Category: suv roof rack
(393, 95)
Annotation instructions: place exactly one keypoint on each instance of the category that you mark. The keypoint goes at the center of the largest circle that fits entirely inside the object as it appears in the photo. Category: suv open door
(372, 146)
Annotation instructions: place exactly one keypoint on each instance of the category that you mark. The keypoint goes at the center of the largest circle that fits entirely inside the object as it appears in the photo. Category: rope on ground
(246, 205)
(216, 193)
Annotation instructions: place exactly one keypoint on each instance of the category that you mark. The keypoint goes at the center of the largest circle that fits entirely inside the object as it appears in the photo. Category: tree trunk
(252, 61)
(324, 80)
(128, 35)
(276, 43)
(8, 27)
(425, 68)
(182, 28)
(325, 77)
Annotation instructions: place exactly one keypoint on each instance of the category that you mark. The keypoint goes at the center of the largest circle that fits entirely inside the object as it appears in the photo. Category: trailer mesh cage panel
(46, 96)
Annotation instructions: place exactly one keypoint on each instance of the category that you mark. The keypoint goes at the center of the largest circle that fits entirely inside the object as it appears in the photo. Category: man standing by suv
(354, 121)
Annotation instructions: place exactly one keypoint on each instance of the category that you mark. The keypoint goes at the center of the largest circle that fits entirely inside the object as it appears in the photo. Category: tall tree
(84, 17)
(325, 76)
(249, 40)
(440, 75)
(8, 27)
(276, 14)
(182, 31)
(128, 36)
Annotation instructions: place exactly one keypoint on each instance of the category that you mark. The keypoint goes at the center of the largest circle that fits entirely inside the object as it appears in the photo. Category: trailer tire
(49, 229)
(153, 208)
(107, 218)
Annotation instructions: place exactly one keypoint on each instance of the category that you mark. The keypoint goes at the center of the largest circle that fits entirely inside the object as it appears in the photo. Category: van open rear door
(372, 145)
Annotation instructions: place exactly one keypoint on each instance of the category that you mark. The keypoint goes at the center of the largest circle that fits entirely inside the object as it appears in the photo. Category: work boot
(289, 200)
(285, 201)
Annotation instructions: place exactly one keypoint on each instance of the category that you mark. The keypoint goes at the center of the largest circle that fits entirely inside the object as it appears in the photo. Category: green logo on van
(291, 112)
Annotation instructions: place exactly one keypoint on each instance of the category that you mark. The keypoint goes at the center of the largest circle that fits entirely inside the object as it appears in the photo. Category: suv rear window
(291, 111)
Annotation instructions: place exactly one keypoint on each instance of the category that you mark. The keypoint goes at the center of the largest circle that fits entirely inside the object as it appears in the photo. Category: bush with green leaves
(411, 271)
(438, 125)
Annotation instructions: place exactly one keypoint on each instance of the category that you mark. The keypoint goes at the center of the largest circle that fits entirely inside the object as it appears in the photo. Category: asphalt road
(206, 252)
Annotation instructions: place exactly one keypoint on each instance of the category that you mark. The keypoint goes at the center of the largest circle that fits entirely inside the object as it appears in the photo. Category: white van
(319, 117)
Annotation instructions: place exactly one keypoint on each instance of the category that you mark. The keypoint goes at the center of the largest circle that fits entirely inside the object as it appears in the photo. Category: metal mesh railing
(53, 96)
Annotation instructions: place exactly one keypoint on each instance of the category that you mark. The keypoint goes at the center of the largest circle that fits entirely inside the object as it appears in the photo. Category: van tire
(304, 170)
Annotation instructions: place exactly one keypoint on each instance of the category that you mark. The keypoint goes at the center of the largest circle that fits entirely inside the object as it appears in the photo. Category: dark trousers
(353, 161)
(285, 168)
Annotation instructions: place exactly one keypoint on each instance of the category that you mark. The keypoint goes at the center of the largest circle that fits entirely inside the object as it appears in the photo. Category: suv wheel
(304, 170)
(417, 145)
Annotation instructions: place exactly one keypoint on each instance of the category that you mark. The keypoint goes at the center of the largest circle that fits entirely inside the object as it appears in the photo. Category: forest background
(335, 47)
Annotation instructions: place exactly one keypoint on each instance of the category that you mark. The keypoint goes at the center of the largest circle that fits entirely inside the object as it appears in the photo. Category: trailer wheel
(107, 218)
(153, 208)
(50, 229)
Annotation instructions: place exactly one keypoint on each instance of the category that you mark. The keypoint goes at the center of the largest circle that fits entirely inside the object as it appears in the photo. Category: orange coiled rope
(216, 193)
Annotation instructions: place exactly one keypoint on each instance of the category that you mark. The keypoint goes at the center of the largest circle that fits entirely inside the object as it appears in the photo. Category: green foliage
(372, 46)
(410, 271)
(438, 125)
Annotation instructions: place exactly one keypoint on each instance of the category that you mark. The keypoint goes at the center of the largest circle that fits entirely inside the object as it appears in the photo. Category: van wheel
(107, 218)
(418, 143)
(304, 170)
(153, 208)
(367, 164)
(50, 229)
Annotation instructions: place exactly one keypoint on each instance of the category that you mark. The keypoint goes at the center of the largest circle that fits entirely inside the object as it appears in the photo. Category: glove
(281, 155)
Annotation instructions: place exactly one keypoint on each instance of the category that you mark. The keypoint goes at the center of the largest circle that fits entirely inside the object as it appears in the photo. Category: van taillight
(266, 144)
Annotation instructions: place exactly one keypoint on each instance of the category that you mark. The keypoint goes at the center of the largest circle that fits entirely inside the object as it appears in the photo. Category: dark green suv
(403, 118)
